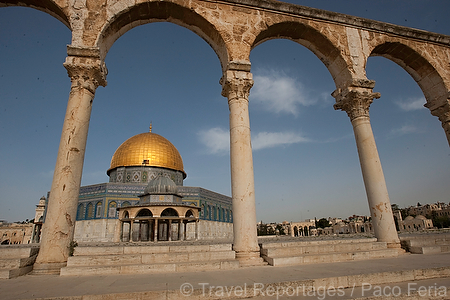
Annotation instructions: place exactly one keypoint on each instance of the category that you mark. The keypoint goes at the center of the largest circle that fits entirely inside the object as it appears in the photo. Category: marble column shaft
(236, 87)
(356, 103)
(86, 75)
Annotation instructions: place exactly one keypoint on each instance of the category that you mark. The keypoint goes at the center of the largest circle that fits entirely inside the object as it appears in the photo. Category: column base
(248, 259)
(48, 269)
(394, 245)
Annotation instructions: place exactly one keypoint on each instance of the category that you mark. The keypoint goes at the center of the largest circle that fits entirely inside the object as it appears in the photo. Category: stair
(426, 244)
(144, 259)
(324, 251)
(16, 260)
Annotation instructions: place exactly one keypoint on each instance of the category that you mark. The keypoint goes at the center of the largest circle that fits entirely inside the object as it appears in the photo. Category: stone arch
(145, 212)
(169, 212)
(161, 11)
(53, 8)
(112, 209)
(313, 40)
(189, 214)
(89, 211)
(80, 212)
(98, 209)
(420, 69)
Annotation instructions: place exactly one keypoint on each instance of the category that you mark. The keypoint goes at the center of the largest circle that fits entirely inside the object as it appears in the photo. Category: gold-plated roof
(147, 149)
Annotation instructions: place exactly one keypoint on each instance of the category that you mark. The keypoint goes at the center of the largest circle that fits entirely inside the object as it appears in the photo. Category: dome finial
(150, 128)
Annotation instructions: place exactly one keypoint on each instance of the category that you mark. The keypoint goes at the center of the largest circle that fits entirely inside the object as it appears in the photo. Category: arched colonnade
(156, 223)
(233, 28)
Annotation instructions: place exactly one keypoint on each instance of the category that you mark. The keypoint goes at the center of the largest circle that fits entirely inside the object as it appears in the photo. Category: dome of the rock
(147, 149)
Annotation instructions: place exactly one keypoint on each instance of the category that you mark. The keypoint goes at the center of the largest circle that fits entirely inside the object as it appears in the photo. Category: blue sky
(305, 159)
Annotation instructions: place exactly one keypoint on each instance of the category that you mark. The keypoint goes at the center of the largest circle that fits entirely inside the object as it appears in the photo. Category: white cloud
(264, 140)
(279, 93)
(217, 140)
(412, 104)
(405, 129)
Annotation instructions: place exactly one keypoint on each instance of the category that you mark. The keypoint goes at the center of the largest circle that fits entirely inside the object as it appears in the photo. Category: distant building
(410, 223)
(15, 233)
(145, 175)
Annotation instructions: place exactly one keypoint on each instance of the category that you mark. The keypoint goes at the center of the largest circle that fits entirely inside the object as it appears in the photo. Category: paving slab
(407, 268)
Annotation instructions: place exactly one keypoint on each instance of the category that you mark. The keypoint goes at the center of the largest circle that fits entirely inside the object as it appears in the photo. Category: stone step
(430, 244)
(150, 258)
(16, 260)
(16, 272)
(301, 249)
(426, 242)
(12, 263)
(318, 243)
(429, 249)
(17, 251)
(150, 268)
(331, 257)
(148, 249)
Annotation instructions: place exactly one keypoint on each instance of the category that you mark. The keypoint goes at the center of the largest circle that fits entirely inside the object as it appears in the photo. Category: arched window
(126, 203)
(202, 212)
(112, 209)
(90, 211)
(98, 210)
(80, 212)
(144, 213)
(169, 212)
(189, 214)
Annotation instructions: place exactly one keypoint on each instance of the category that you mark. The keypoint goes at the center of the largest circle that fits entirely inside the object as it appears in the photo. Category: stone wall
(102, 230)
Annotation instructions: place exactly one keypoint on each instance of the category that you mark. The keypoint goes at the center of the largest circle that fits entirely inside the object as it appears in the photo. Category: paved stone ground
(293, 282)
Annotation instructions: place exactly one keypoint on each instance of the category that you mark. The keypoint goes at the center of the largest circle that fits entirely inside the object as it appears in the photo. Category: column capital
(87, 72)
(355, 99)
(236, 84)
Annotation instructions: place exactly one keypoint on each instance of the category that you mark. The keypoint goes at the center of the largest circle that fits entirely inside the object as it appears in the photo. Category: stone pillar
(196, 231)
(169, 231)
(236, 87)
(87, 72)
(118, 231)
(355, 101)
(156, 231)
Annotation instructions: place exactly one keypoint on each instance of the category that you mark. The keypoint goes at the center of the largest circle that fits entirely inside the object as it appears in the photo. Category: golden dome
(147, 149)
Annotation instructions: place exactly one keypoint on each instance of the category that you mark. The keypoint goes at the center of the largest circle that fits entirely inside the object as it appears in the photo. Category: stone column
(196, 230)
(155, 239)
(236, 87)
(169, 230)
(87, 72)
(355, 101)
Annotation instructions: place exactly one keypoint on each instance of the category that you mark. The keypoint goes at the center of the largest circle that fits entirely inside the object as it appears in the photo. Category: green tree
(322, 223)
